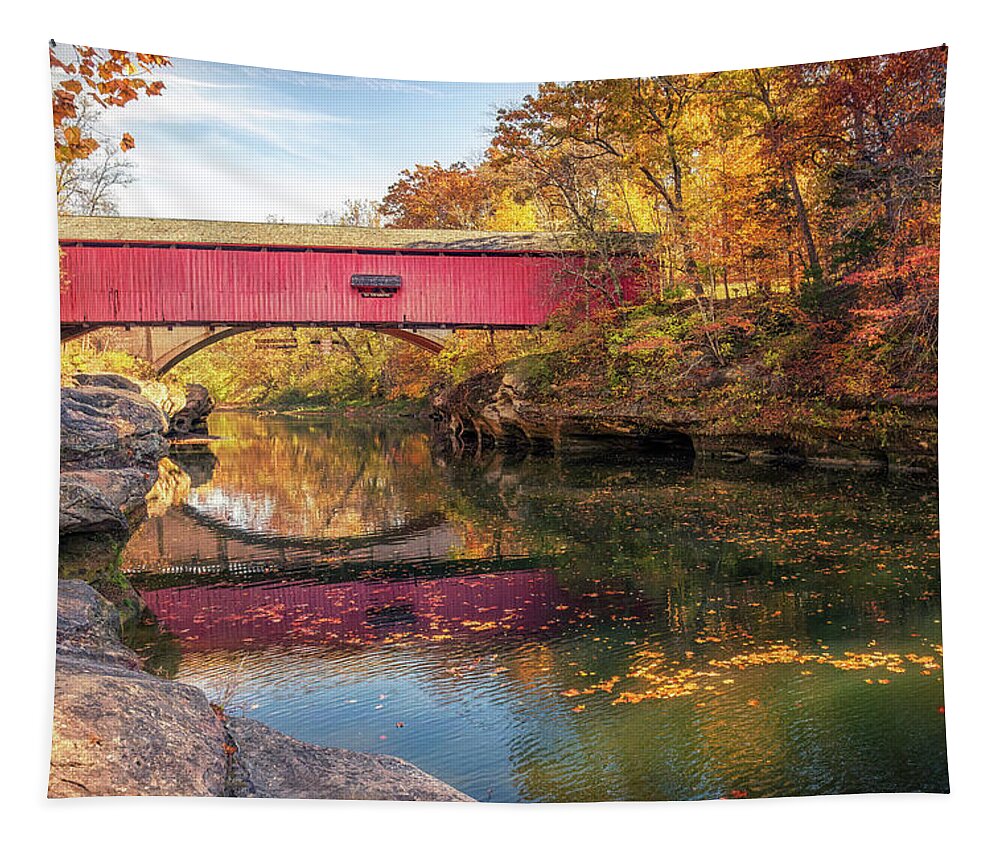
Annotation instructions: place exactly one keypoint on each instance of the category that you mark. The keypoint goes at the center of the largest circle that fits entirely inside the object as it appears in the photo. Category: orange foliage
(109, 78)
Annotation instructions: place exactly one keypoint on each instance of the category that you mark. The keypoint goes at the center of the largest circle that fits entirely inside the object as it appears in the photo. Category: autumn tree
(886, 171)
(586, 141)
(431, 196)
(105, 77)
(87, 187)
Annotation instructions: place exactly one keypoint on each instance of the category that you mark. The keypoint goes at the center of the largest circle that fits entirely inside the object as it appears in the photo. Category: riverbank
(734, 415)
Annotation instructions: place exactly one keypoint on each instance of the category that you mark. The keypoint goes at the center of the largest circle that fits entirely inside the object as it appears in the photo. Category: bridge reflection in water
(335, 560)
(219, 588)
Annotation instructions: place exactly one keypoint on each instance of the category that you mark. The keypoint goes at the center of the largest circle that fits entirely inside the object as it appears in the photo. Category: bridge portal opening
(287, 365)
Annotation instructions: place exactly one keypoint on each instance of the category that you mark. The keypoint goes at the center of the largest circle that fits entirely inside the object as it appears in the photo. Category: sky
(238, 143)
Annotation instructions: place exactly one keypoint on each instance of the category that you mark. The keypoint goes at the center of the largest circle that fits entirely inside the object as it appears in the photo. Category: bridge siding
(144, 284)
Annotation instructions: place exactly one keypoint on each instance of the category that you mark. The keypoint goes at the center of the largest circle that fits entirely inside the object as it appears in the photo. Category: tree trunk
(788, 172)
(800, 213)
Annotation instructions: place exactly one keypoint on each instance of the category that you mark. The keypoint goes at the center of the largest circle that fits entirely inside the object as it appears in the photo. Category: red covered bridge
(202, 281)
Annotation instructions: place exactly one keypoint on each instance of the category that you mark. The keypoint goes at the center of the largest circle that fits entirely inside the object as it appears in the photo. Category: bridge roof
(120, 229)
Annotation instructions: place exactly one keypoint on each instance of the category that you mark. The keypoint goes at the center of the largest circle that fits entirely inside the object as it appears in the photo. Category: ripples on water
(549, 630)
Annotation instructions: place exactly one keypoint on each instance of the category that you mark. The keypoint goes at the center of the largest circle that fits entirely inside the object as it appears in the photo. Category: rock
(102, 427)
(118, 730)
(106, 379)
(88, 623)
(83, 507)
(193, 417)
(111, 441)
(101, 500)
(778, 456)
(279, 766)
(168, 399)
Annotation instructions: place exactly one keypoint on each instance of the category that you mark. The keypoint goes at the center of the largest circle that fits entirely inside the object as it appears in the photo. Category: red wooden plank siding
(119, 284)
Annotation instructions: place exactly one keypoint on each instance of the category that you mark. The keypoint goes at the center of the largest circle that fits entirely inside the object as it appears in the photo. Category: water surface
(545, 629)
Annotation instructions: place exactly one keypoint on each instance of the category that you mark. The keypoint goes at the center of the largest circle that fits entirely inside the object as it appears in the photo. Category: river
(555, 629)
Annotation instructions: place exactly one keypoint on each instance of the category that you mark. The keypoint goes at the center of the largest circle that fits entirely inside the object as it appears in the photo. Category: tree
(107, 78)
(355, 213)
(431, 196)
(584, 140)
(87, 187)
(886, 172)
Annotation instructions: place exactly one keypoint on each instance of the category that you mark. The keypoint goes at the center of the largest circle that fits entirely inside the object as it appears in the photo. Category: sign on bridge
(377, 286)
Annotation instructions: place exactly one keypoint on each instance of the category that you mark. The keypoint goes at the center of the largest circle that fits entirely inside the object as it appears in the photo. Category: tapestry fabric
(548, 442)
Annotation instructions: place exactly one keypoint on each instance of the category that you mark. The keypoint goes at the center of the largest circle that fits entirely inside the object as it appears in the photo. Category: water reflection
(555, 630)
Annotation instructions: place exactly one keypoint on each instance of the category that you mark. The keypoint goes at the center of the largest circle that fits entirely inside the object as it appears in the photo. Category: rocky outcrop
(118, 730)
(278, 766)
(109, 428)
(111, 442)
(497, 410)
(167, 399)
(101, 500)
(502, 410)
(192, 419)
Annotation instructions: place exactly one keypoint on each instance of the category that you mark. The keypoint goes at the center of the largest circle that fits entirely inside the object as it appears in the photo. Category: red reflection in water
(229, 617)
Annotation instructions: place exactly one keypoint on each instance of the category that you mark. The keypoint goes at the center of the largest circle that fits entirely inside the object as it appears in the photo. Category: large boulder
(111, 442)
(278, 766)
(120, 731)
(101, 500)
(117, 731)
(104, 427)
(88, 624)
(168, 399)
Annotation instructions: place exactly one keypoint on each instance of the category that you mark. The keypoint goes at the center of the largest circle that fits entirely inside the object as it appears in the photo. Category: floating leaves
(668, 681)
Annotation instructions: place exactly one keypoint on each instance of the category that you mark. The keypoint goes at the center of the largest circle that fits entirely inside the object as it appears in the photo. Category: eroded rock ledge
(118, 730)
(500, 410)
